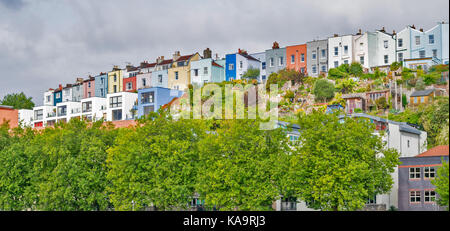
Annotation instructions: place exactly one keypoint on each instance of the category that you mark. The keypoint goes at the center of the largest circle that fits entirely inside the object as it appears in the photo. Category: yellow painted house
(180, 72)
(115, 80)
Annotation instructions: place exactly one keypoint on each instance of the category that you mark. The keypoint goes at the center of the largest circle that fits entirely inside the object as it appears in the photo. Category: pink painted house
(89, 87)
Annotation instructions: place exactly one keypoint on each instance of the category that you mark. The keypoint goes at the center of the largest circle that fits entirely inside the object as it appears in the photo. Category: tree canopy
(18, 101)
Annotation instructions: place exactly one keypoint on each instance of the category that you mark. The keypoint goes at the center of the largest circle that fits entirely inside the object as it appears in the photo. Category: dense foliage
(165, 164)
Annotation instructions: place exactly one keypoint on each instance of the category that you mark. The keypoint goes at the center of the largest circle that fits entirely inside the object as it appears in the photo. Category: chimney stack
(359, 32)
(60, 86)
(335, 35)
(176, 55)
(421, 29)
(207, 53)
(414, 27)
(275, 45)
(393, 32)
(80, 80)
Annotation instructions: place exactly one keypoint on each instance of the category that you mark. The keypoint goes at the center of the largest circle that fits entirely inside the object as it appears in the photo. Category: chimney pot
(335, 35)
(421, 29)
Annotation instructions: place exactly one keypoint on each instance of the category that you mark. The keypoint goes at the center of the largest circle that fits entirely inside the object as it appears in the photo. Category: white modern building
(26, 117)
(94, 108)
(41, 115)
(120, 106)
(67, 110)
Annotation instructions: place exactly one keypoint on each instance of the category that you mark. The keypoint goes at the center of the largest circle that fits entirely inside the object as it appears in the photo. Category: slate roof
(422, 93)
(404, 127)
(249, 57)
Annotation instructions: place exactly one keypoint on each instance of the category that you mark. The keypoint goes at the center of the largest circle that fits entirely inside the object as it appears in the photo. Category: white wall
(341, 57)
(128, 100)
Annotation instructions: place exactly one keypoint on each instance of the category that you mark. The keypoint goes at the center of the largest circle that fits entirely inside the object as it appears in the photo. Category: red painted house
(129, 84)
(296, 58)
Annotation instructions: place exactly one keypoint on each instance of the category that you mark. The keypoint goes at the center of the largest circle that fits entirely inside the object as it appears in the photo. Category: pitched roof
(249, 57)
(216, 64)
(354, 95)
(184, 58)
(168, 61)
(436, 151)
(147, 65)
(422, 93)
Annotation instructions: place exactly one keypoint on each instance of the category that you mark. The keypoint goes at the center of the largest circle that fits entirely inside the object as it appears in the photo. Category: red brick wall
(10, 115)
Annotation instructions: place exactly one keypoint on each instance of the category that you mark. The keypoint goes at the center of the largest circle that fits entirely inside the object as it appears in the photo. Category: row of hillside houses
(125, 93)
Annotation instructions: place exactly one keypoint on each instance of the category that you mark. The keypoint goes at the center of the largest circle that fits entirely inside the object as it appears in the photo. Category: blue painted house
(101, 85)
(151, 99)
(237, 64)
(57, 96)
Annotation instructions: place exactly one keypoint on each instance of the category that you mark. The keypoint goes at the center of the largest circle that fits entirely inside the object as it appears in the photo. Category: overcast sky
(47, 42)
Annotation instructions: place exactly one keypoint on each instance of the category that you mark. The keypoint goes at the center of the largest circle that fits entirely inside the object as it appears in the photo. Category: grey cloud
(13, 4)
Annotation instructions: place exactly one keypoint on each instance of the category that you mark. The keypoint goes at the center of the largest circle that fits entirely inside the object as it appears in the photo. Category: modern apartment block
(415, 174)
(94, 108)
(120, 106)
(317, 57)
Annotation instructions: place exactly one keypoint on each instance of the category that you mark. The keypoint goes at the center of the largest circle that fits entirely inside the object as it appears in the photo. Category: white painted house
(94, 109)
(120, 105)
(381, 48)
(340, 50)
(49, 98)
(261, 56)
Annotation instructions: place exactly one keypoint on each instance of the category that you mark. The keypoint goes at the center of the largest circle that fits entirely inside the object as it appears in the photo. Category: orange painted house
(296, 58)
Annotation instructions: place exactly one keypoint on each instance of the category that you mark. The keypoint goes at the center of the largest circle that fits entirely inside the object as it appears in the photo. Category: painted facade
(78, 91)
(275, 59)
(89, 87)
(415, 44)
(101, 85)
(317, 57)
(151, 99)
(416, 192)
(49, 98)
(115, 80)
(206, 71)
(179, 75)
(340, 50)
(238, 63)
(129, 84)
(297, 58)
(381, 48)
(261, 56)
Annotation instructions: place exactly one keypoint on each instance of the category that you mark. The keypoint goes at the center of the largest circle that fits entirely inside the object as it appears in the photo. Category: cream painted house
(179, 75)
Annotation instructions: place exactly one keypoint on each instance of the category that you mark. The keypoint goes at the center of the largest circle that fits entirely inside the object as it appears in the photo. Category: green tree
(346, 86)
(69, 172)
(420, 85)
(155, 164)
(251, 73)
(18, 101)
(395, 66)
(338, 165)
(323, 90)
(356, 69)
(441, 183)
(434, 118)
(381, 103)
(241, 166)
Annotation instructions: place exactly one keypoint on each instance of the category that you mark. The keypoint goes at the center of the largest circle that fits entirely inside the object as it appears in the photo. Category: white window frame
(430, 171)
(415, 197)
(415, 173)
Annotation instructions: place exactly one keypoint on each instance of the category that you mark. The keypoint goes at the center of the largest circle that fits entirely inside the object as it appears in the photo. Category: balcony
(51, 114)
